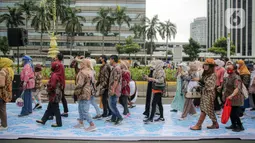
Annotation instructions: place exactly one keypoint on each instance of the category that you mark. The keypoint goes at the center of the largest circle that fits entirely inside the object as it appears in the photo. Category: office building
(243, 38)
(198, 30)
(89, 39)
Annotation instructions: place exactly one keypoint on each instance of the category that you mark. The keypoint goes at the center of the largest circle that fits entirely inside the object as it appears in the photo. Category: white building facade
(198, 30)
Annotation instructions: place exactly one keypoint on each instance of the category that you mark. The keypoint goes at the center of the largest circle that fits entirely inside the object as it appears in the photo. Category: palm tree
(152, 30)
(168, 30)
(27, 7)
(13, 18)
(73, 23)
(121, 17)
(41, 22)
(104, 22)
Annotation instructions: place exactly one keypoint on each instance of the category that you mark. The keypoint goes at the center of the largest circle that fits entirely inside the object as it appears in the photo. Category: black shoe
(40, 122)
(119, 121)
(55, 125)
(36, 106)
(148, 121)
(97, 117)
(230, 127)
(104, 115)
(50, 118)
(23, 115)
(39, 107)
(64, 115)
(252, 109)
(173, 110)
(238, 129)
(157, 113)
(159, 120)
(144, 113)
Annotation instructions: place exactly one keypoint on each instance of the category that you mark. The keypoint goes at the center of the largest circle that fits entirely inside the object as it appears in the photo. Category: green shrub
(136, 73)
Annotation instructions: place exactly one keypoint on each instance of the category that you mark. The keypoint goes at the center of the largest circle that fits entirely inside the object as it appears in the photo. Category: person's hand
(230, 97)
(219, 88)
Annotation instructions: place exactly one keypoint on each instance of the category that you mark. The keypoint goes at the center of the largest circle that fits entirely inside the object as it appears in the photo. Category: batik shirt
(116, 75)
(103, 78)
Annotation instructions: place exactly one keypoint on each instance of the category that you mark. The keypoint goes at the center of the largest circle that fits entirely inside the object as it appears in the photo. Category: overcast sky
(180, 12)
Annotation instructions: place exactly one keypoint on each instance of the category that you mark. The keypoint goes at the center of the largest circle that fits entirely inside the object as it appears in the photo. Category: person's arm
(117, 75)
(99, 78)
(80, 80)
(238, 85)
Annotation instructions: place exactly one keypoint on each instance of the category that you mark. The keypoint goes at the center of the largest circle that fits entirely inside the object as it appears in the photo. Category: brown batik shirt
(103, 78)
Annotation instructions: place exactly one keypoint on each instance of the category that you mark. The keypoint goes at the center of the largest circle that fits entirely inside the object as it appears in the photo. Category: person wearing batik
(59, 58)
(55, 88)
(93, 90)
(103, 84)
(245, 76)
(6, 91)
(36, 92)
(84, 82)
(192, 79)
(208, 85)
(220, 71)
(115, 90)
(125, 89)
(178, 102)
(159, 77)
(28, 83)
(232, 91)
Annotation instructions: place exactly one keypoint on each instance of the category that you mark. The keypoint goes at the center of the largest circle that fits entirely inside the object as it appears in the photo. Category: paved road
(73, 141)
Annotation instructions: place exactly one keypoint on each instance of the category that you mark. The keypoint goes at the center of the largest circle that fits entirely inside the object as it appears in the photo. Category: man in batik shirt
(103, 83)
(115, 90)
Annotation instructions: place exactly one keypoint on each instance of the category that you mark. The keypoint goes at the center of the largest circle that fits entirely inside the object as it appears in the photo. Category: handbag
(245, 92)
(226, 111)
(158, 86)
(193, 95)
(19, 101)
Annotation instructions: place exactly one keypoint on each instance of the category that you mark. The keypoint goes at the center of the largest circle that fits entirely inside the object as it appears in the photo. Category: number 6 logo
(235, 18)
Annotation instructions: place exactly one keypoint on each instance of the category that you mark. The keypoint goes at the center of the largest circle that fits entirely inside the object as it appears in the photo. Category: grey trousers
(189, 108)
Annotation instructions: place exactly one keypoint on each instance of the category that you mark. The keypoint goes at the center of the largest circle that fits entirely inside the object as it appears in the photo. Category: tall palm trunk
(119, 32)
(26, 29)
(41, 41)
(166, 47)
(151, 51)
(145, 52)
(103, 45)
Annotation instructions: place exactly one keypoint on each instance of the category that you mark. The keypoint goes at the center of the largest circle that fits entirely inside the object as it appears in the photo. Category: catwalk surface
(132, 127)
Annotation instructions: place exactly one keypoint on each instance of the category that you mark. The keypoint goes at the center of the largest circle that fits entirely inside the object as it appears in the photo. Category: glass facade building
(89, 39)
(243, 38)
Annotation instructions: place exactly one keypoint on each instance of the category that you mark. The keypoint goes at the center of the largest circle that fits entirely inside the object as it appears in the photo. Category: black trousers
(64, 102)
(52, 109)
(124, 102)
(234, 116)
(157, 100)
(106, 107)
(218, 101)
(148, 100)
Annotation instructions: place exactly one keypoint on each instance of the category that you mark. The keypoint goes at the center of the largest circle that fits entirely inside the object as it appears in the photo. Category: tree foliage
(220, 47)
(13, 18)
(4, 46)
(192, 49)
(129, 48)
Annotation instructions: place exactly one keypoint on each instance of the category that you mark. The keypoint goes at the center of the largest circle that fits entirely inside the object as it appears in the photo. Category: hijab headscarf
(28, 60)
(57, 73)
(243, 68)
(158, 67)
(124, 65)
(219, 63)
(86, 66)
(7, 64)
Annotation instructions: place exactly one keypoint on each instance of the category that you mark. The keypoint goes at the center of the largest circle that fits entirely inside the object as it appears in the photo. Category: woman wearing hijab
(200, 72)
(245, 77)
(220, 71)
(54, 88)
(83, 81)
(6, 90)
(125, 89)
(159, 77)
(28, 83)
(208, 85)
(148, 95)
(178, 102)
(192, 79)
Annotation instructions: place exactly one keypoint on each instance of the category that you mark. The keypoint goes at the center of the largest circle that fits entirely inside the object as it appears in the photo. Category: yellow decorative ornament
(53, 50)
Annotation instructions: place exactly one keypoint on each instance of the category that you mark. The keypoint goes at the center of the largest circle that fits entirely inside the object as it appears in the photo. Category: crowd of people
(206, 85)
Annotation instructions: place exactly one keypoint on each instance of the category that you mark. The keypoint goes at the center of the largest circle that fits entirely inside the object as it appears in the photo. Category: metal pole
(228, 51)
(18, 58)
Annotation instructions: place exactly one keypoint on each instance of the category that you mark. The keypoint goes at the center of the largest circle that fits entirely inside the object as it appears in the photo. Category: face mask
(151, 68)
(79, 66)
(230, 71)
(237, 65)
